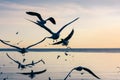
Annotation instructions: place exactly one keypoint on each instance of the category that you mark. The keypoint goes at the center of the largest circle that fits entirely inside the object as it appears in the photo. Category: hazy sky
(98, 25)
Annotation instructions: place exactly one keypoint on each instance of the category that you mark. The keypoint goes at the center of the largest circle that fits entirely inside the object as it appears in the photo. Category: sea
(104, 62)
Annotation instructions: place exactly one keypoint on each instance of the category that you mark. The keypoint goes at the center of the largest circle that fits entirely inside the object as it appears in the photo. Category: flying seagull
(80, 68)
(49, 78)
(41, 20)
(20, 65)
(23, 66)
(58, 56)
(65, 41)
(17, 33)
(22, 50)
(32, 73)
(56, 35)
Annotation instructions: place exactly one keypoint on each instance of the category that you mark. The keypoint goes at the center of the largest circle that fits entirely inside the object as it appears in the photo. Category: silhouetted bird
(80, 68)
(22, 50)
(33, 74)
(49, 78)
(65, 41)
(54, 35)
(41, 20)
(16, 32)
(5, 78)
(58, 56)
(23, 66)
(66, 53)
(20, 65)
(24, 60)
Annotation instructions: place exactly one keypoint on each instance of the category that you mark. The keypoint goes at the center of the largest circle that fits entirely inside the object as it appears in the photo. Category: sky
(98, 25)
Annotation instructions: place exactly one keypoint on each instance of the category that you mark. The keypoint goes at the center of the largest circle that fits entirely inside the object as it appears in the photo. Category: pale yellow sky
(98, 26)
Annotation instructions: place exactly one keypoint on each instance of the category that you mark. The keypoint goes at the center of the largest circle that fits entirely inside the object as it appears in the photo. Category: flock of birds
(54, 35)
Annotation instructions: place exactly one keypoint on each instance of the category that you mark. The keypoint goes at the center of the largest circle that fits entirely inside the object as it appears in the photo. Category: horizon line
(101, 50)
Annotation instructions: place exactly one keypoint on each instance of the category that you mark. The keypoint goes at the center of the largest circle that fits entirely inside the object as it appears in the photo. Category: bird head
(78, 68)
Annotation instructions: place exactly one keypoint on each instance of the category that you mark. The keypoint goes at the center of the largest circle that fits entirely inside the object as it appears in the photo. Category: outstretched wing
(88, 70)
(9, 44)
(39, 61)
(11, 58)
(70, 35)
(67, 25)
(27, 73)
(66, 39)
(68, 74)
(35, 14)
(36, 43)
(43, 26)
(52, 20)
(39, 72)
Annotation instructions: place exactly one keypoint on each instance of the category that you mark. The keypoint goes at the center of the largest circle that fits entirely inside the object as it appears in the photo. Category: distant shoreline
(101, 50)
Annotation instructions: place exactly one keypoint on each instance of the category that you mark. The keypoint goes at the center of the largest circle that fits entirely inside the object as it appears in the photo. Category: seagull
(49, 78)
(41, 20)
(22, 50)
(58, 56)
(80, 68)
(65, 41)
(66, 53)
(55, 35)
(24, 60)
(32, 73)
(16, 33)
(23, 66)
(20, 65)
(5, 78)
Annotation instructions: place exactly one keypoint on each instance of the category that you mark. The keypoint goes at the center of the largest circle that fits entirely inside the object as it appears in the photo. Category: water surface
(102, 64)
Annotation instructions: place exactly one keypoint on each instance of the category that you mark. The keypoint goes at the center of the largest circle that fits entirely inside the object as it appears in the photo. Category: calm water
(102, 64)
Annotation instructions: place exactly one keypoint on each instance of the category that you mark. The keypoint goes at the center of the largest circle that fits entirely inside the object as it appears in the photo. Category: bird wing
(39, 72)
(34, 14)
(88, 70)
(33, 63)
(66, 39)
(9, 44)
(52, 20)
(68, 74)
(35, 43)
(69, 36)
(39, 61)
(57, 43)
(43, 26)
(67, 25)
(49, 78)
(27, 73)
(43, 61)
(11, 58)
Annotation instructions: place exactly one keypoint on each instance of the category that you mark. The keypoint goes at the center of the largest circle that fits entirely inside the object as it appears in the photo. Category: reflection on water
(103, 65)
